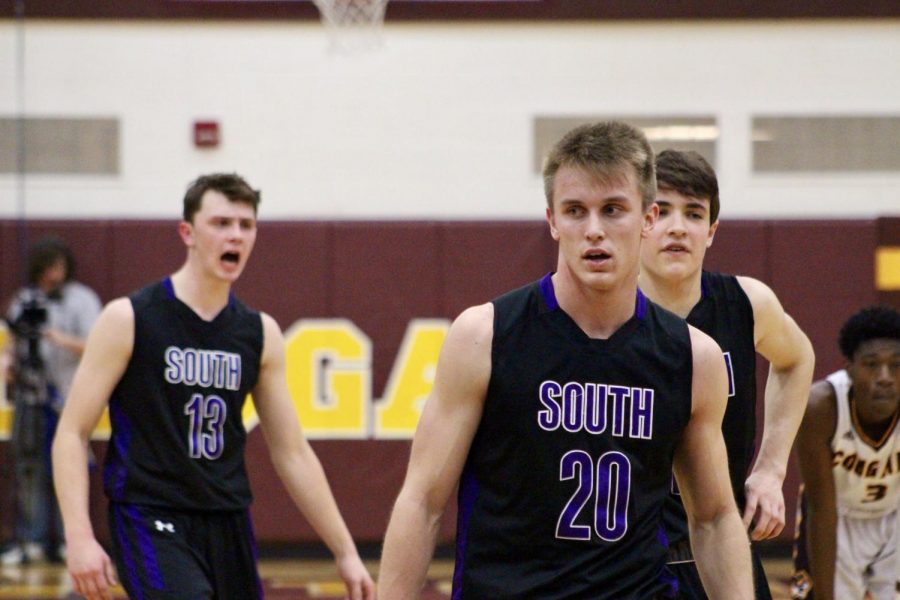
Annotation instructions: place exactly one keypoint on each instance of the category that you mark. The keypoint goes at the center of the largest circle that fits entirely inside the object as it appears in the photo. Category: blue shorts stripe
(148, 551)
(125, 551)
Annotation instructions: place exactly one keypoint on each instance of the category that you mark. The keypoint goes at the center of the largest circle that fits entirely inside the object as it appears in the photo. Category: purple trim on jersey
(548, 292)
(704, 286)
(661, 536)
(255, 552)
(667, 577)
(145, 543)
(170, 289)
(127, 558)
(640, 305)
(115, 476)
(469, 489)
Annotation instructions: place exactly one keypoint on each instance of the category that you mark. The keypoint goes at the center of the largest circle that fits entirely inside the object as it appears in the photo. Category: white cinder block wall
(437, 123)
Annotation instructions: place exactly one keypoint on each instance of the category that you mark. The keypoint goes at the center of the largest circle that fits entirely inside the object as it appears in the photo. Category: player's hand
(357, 579)
(765, 505)
(93, 573)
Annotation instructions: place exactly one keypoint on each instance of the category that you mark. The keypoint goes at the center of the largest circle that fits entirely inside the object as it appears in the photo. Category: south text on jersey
(596, 408)
(203, 368)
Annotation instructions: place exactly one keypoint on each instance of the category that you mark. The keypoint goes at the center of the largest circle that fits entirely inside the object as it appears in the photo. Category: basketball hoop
(353, 25)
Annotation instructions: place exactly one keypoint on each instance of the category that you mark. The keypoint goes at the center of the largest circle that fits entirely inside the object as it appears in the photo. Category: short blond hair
(604, 150)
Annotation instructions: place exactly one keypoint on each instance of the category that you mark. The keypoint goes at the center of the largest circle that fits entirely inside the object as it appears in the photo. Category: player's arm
(441, 444)
(814, 453)
(718, 539)
(791, 361)
(105, 359)
(298, 466)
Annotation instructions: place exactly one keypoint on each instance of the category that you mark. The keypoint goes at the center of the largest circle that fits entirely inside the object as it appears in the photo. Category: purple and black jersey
(725, 314)
(177, 433)
(564, 485)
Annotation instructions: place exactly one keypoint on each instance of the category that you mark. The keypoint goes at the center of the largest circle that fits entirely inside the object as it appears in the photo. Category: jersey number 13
(207, 420)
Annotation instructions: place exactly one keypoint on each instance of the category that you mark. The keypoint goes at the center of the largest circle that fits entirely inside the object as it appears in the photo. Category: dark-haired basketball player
(174, 362)
(849, 450)
(744, 317)
(560, 409)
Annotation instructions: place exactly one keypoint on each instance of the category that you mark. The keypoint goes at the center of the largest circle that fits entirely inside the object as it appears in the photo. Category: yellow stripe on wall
(887, 268)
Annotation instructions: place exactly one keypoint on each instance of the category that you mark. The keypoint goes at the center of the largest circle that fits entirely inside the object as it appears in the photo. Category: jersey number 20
(609, 486)
(207, 419)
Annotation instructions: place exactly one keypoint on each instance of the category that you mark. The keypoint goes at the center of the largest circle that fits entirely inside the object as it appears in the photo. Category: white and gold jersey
(866, 471)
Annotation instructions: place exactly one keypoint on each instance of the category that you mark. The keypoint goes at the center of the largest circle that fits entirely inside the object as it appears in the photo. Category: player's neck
(206, 296)
(598, 313)
(679, 296)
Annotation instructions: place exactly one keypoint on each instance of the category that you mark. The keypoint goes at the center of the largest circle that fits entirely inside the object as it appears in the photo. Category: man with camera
(49, 320)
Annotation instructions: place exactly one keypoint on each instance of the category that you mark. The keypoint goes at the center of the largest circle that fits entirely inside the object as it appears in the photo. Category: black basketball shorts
(163, 554)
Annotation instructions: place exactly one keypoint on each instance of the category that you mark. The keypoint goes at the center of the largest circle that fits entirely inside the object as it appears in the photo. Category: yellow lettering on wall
(248, 414)
(5, 406)
(329, 366)
(103, 429)
(329, 373)
(412, 377)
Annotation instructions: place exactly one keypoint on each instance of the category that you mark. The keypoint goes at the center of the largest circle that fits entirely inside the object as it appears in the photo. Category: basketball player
(560, 407)
(174, 363)
(849, 450)
(744, 317)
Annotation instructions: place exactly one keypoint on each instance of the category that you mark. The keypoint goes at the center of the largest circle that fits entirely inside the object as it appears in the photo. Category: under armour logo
(160, 526)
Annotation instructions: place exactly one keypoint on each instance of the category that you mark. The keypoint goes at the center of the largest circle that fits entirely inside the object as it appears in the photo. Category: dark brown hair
(45, 253)
(689, 174)
(231, 185)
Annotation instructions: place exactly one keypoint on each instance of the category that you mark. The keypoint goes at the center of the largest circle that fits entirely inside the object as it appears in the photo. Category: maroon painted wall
(380, 275)
(445, 10)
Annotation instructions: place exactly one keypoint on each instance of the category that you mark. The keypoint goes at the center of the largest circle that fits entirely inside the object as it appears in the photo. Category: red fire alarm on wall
(206, 134)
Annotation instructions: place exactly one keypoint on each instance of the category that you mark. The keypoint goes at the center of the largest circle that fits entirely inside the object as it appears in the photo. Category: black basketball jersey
(725, 314)
(563, 488)
(177, 434)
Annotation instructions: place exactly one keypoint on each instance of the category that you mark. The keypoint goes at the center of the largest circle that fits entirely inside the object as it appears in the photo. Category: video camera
(29, 323)
(32, 318)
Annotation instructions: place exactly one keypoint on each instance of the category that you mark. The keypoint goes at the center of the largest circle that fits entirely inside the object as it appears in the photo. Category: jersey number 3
(610, 490)
(207, 420)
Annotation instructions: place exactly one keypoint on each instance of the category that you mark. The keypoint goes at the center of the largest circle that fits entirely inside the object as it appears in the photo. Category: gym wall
(366, 282)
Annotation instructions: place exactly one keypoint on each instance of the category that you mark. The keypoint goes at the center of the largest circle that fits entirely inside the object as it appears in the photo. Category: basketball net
(353, 25)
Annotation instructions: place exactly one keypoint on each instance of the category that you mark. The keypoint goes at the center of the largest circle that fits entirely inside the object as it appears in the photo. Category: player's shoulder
(270, 326)
(703, 345)
(822, 396)
(768, 313)
(114, 328)
(476, 323)
(756, 290)
(119, 310)
(820, 418)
